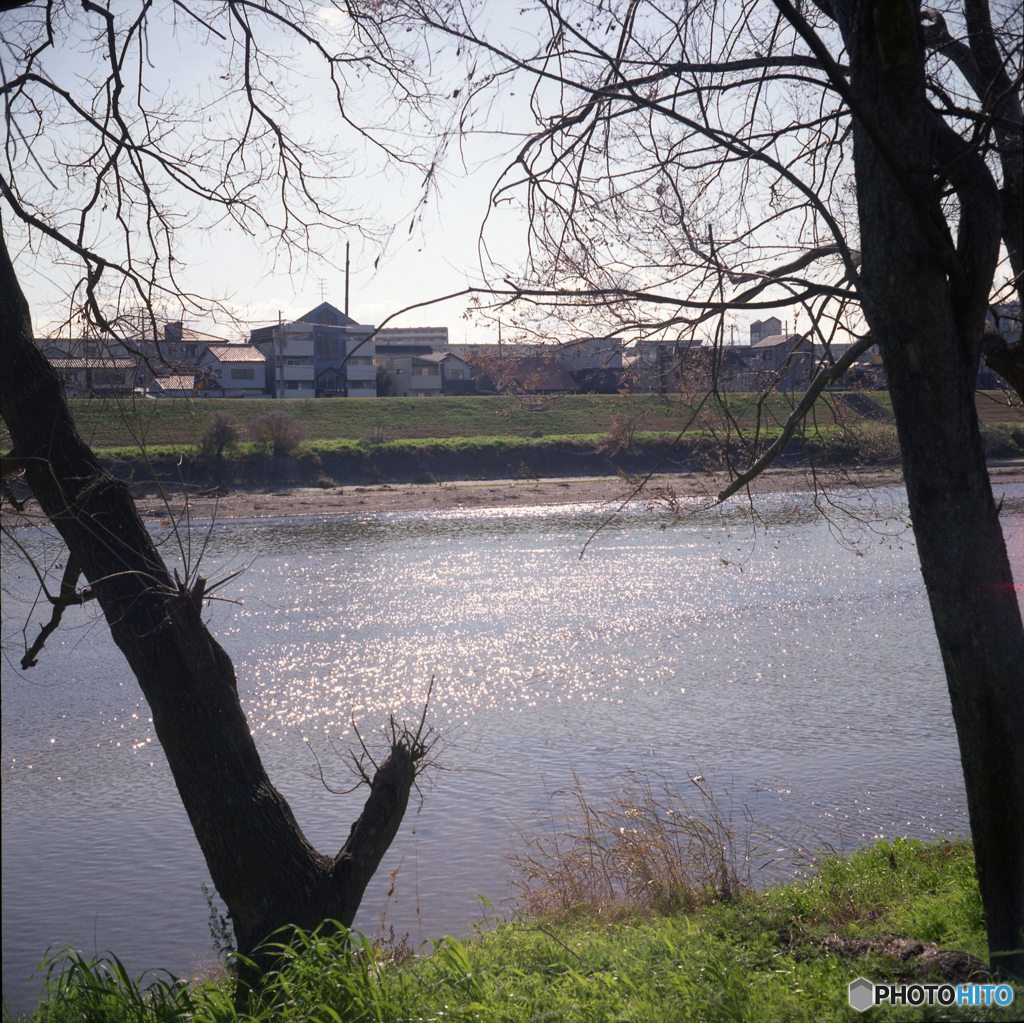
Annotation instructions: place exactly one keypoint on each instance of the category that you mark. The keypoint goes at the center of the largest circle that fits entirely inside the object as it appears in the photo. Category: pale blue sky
(251, 274)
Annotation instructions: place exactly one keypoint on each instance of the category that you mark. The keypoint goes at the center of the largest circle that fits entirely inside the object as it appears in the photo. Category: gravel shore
(610, 490)
(411, 497)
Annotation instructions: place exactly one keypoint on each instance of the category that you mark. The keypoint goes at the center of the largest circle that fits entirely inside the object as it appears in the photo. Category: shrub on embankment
(903, 912)
(328, 463)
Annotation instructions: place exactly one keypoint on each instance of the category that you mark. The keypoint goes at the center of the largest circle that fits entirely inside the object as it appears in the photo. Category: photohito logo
(865, 994)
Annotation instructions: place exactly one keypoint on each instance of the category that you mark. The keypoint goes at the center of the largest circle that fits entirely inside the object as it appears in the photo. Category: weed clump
(651, 849)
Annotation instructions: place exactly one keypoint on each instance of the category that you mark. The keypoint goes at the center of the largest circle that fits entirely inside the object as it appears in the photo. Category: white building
(426, 376)
(787, 359)
(289, 359)
(456, 375)
(234, 371)
(423, 339)
(412, 376)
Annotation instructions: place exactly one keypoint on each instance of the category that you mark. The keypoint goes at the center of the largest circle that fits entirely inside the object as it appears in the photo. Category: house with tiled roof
(177, 385)
(99, 376)
(234, 371)
(784, 360)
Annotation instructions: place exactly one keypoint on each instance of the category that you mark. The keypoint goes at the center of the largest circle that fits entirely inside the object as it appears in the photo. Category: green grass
(867, 443)
(121, 429)
(110, 423)
(782, 955)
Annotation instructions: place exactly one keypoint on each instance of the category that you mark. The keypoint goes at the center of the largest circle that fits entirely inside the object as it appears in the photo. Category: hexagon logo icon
(861, 994)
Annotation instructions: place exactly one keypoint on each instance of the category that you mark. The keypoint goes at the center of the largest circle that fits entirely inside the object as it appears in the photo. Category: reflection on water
(793, 665)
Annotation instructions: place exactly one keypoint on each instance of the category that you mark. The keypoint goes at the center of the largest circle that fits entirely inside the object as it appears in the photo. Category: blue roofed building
(322, 354)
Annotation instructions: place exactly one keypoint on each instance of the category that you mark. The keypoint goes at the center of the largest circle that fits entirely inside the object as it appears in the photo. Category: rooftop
(177, 382)
(236, 353)
(439, 357)
(95, 362)
(779, 339)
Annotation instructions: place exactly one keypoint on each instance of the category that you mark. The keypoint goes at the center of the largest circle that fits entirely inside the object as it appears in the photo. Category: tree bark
(925, 302)
(267, 873)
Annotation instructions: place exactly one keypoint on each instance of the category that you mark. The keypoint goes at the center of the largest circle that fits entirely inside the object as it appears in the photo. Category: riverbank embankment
(344, 457)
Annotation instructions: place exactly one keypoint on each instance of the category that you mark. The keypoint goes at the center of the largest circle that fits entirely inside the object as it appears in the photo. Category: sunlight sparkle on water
(772, 662)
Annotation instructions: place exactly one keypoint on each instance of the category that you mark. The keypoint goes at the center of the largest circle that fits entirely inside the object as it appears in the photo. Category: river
(790, 662)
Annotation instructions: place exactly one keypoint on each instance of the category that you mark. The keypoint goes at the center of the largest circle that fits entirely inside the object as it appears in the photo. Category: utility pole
(346, 278)
(280, 358)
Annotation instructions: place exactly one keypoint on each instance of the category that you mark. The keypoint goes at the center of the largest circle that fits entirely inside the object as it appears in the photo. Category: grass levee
(135, 422)
(332, 442)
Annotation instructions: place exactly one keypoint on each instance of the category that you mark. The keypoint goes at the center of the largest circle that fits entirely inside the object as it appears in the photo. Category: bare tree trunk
(925, 302)
(261, 863)
(977, 621)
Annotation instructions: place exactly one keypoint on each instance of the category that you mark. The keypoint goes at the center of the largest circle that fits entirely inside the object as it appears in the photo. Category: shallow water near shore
(793, 665)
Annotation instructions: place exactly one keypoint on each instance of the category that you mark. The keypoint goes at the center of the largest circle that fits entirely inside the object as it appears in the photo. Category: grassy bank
(343, 462)
(900, 912)
(129, 423)
(112, 423)
(340, 442)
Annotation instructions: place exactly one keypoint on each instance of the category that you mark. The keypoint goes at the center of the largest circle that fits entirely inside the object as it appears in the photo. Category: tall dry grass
(653, 848)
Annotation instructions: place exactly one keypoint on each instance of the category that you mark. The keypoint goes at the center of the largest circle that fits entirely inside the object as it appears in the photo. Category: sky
(410, 244)
(421, 250)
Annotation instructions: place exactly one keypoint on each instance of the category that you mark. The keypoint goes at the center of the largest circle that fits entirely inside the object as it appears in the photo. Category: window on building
(108, 378)
(327, 348)
(243, 372)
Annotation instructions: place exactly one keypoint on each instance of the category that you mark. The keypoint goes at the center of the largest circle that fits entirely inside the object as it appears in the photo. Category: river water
(791, 662)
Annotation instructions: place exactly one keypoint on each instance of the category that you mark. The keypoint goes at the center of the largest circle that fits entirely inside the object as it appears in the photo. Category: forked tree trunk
(926, 305)
(267, 873)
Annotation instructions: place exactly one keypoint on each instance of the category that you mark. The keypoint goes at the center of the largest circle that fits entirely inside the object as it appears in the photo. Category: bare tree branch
(68, 596)
(825, 376)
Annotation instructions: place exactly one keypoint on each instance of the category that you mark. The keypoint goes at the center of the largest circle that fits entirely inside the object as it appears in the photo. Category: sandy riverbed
(390, 497)
(361, 500)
